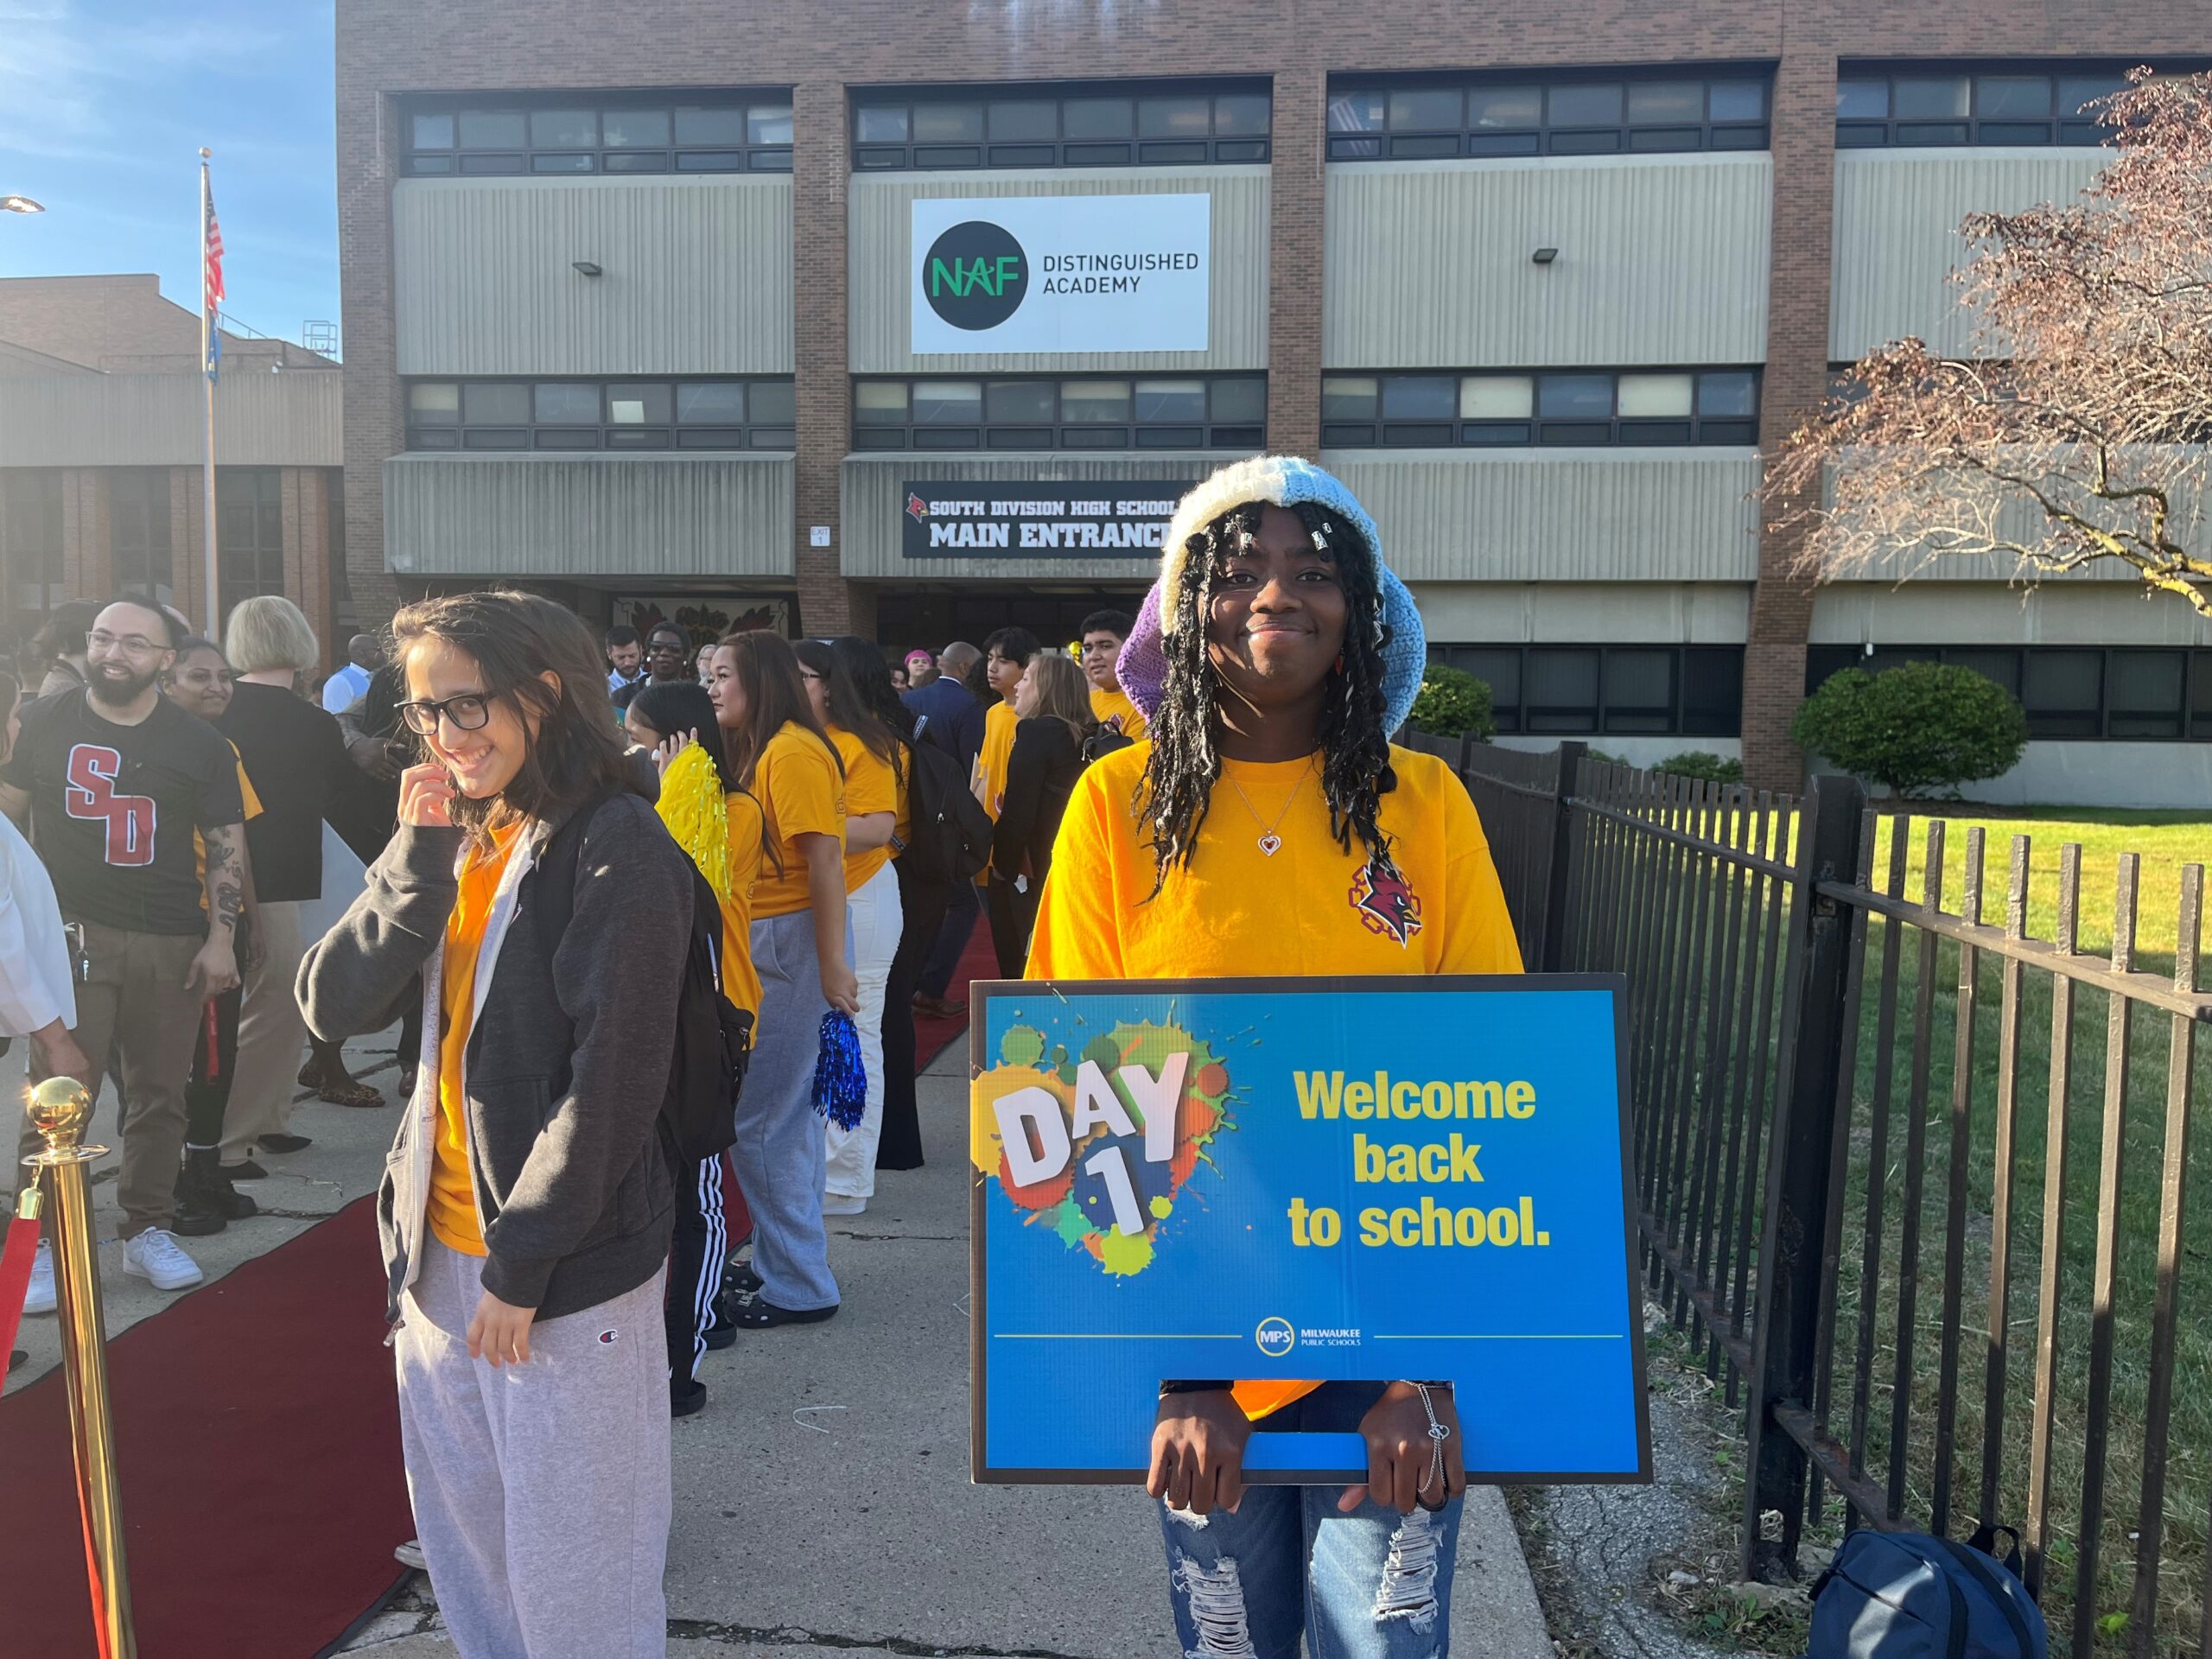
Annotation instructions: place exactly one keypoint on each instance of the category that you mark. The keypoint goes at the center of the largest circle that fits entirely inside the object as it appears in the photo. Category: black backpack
(952, 833)
(713, 1036)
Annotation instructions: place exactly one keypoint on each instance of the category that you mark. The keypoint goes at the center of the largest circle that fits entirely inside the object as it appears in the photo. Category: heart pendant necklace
(1270, 843)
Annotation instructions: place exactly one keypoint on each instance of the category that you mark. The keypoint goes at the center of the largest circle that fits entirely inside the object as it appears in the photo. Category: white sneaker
(411, 1555)
(156, 1256)
(41, 1297)
(844, 1203)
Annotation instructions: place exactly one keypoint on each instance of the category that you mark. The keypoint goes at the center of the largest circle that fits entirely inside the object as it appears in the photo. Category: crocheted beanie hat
(1279, 480)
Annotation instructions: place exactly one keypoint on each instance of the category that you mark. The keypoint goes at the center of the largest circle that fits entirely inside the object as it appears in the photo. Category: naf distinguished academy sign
(1061, 273)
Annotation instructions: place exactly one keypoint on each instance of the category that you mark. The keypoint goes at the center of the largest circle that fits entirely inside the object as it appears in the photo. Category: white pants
(876, 922)
(272, 1035)
(540, 1490)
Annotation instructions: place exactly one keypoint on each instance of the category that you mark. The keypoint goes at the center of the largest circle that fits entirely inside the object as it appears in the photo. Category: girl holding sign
(1266, 826)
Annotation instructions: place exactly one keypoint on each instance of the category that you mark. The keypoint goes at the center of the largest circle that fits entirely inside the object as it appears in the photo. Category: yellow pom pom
(693, 807)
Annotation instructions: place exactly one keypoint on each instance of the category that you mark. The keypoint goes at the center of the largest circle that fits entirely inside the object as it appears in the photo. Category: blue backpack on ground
(1904, 1595)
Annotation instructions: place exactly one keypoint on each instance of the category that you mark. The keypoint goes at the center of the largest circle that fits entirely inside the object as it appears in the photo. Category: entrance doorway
(934, 617)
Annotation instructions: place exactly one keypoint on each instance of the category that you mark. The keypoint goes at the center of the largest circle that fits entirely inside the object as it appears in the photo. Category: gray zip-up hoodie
(568, 1054)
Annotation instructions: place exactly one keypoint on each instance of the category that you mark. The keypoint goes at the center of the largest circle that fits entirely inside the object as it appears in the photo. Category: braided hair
(1176, 791)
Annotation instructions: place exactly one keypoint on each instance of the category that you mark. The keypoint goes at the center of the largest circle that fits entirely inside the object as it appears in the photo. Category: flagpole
(211, 602)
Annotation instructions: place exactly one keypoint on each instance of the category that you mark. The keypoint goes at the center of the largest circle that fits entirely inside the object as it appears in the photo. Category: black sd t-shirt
(113, 808)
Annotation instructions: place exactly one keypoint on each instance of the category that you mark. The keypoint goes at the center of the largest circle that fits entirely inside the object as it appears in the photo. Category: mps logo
(975, 275)
(1275, 1338)
(1386, 904)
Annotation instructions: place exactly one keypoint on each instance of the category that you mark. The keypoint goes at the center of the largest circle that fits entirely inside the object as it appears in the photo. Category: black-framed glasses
(132, 644)
(467, 713)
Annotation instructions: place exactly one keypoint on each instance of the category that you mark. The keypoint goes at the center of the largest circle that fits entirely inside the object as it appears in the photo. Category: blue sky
(104, 105)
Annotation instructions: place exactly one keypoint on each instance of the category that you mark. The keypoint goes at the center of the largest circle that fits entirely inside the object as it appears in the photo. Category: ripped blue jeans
(1370, 1584)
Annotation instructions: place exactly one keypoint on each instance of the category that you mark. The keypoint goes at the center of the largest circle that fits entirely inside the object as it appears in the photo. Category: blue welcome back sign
(1303, 1179)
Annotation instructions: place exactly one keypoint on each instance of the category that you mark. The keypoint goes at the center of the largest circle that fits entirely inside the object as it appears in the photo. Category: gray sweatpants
(540, 1490)
(780, 1144)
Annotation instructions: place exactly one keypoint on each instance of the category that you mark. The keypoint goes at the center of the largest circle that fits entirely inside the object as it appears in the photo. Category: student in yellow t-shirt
(802, 948)
(200, 682)
(850, 691)
(1277, 645)
(719, 824)
(1103, 634)
(1006, 659)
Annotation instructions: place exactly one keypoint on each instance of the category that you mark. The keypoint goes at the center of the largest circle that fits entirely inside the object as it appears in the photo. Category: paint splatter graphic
(1079, 1202)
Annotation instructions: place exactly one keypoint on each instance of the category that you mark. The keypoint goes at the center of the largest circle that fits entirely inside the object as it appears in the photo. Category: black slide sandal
(753, 1314)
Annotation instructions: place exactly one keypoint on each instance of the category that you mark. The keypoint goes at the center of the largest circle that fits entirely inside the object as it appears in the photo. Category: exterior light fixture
(1544, 256)
(585, 267)
(21, 204)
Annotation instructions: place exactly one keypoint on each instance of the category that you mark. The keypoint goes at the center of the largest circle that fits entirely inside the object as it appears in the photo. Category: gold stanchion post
(60, 1110)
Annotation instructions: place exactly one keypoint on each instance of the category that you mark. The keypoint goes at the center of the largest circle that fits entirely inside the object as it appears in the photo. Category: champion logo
(606, 1339)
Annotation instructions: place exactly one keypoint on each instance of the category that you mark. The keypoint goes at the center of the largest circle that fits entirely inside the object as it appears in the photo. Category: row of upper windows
(1578, 407)
(1654, 110)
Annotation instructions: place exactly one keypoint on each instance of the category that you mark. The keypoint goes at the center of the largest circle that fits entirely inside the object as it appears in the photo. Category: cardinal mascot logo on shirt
(1386, 904)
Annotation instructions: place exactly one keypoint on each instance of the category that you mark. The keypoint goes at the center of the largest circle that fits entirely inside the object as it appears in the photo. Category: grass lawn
(1884, 1088)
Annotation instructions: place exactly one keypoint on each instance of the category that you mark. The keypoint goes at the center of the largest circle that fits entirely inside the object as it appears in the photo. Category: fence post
(1785, 1328)
(1555, 933)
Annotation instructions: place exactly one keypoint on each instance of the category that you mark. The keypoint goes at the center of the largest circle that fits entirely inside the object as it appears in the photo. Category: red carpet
(932, 1036)
(259, 1439)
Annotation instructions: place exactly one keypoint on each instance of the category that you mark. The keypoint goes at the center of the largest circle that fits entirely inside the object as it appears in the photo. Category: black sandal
(754, 1313)
(741, 1278)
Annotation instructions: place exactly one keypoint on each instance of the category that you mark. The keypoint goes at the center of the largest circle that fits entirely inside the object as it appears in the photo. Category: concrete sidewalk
(822, 1499)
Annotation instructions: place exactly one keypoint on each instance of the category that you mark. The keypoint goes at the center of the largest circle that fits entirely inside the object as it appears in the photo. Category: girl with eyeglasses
(802, 948)
(527, 1204)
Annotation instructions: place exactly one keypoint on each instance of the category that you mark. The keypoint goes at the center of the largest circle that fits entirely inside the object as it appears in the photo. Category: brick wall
(390, 47)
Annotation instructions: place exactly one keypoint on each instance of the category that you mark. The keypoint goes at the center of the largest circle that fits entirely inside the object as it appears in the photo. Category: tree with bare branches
(2076, 437)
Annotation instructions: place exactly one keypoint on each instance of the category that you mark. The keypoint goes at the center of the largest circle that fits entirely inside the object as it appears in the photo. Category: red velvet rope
(15, 1277)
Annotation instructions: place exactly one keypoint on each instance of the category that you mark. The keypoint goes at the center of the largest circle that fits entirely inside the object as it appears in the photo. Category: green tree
(1915, 727)
(1453, 703)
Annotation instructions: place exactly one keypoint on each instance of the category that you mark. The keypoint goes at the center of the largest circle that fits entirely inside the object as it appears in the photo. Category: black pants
(1009, 935)
(923, 904)
(942, 961)
(214, 1057)
(695, 1258)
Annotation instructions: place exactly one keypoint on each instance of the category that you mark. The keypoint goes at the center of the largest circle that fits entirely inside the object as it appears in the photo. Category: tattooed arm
(215, 969)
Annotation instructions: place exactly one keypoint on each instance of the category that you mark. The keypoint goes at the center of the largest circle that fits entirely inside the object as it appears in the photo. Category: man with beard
(113, 778)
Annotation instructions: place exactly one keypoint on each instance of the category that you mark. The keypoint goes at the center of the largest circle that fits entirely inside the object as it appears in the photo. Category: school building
(909, 320)
(103, 435)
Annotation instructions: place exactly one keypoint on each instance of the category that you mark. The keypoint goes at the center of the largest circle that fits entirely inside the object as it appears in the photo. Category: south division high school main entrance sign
(1304, 1179)
(1006, 519)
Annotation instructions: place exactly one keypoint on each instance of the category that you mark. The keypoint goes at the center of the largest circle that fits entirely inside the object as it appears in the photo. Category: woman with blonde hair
(296, 757)
(1051, 708)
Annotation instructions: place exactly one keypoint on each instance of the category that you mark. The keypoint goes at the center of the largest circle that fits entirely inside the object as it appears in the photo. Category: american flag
(212, 290)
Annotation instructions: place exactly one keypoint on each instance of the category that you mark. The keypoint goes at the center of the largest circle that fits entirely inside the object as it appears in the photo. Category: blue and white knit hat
(1279, 480)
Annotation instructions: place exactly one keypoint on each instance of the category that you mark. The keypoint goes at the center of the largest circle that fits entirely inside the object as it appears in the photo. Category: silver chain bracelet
(1438, 1433)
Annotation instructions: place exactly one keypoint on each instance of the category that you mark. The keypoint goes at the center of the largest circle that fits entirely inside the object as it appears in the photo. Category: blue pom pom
(839, 1075)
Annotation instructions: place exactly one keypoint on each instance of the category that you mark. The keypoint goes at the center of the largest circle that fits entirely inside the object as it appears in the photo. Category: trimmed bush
(1453, 703)
(1916, 728)
(1704, 766)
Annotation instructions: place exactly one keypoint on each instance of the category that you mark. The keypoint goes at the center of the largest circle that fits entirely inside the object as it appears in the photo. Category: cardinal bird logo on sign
(917, 509)
(1386, 904)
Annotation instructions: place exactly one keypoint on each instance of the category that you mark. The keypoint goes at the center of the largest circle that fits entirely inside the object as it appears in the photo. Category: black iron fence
(1914, 1167)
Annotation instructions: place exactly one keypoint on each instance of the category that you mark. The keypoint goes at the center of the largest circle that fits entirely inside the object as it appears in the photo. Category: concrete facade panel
(1962, 613)
(285, 419)
(878, 251)
(1530, 613)
(1662, 260)
(696, 276)
(602, 516)
(1897, 236)
(1560, 514)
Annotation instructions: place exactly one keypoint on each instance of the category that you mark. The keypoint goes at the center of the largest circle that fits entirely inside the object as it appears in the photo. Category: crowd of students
(555, 1272)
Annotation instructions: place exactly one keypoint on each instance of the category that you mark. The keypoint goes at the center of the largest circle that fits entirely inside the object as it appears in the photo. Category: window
(2119, 692)
(1571, 691)
(734, 132)
(1906, 106)
(1060, 126)
(138, 530)
(31, 539)
(1048, 412)
(1576, 407)
(626, 414)
(249, 532)
(1565, 115)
